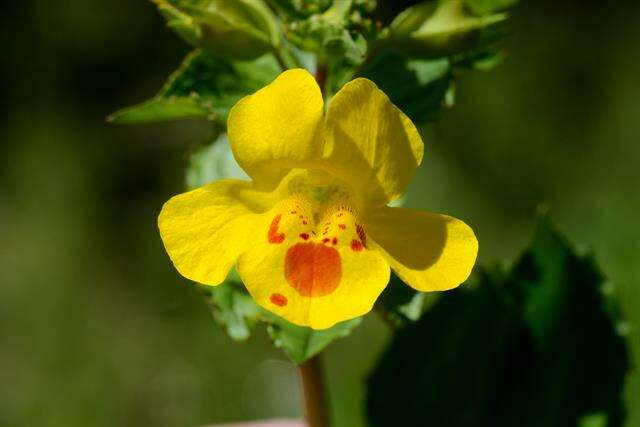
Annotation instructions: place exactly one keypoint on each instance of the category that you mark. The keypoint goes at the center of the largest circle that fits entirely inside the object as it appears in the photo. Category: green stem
(315, 396)
(280, 58)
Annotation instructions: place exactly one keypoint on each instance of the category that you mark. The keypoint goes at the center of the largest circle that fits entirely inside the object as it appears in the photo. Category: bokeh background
(96, 328)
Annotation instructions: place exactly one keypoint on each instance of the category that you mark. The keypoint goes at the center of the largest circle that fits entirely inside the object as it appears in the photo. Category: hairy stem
(315, 396)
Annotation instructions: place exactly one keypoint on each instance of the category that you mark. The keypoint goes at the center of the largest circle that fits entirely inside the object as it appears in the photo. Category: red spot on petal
(293, 212)
(279, 300)
(273, 235)
(343, 226)
(334, 241)
(304, 236)
(356, 245)
(326, 240)
(362, 235)
(313, 270)
(304, 222)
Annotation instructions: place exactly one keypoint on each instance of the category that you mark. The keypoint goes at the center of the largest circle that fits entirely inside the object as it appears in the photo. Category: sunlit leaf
(484, 7)
(203, 86)
(436, 29)
(231, 29)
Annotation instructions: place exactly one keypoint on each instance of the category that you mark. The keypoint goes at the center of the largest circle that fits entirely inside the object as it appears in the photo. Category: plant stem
(281, 61)
(315, 396)
(321, 75)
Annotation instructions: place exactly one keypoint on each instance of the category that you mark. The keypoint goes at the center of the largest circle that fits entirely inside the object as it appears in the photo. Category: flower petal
(205, 230)
(370, 143)
(278, 128)
(429, 252)
(311, 280)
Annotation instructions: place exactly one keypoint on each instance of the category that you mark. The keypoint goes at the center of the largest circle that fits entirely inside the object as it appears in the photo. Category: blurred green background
(96, 328)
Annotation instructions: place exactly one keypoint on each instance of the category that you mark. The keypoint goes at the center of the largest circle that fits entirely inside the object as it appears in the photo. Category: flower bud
(232, 29)
(438, 28)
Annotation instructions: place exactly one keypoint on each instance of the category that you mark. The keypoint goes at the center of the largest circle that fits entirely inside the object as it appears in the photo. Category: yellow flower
(312, 236)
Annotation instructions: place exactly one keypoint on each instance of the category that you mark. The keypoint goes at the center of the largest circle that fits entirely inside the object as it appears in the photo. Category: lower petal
(307, 277)
(429, 252)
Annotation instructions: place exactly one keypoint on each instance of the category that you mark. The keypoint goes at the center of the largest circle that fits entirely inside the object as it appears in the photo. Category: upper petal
(205, 230)
(429, 252)
(278, 128)
(370, 143)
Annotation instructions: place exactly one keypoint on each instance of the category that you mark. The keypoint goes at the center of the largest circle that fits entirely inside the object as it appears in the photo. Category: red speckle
(304, 236)
(326, 240)
(335, 241)
(293, 212)
(273, 235)
(362, 235)
(313, 270)
(304, 222)
(356, 245)
(278, 299)
(343, 226)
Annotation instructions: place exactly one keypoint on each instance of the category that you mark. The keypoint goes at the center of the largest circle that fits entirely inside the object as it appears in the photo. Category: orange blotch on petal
(343, 226)
(273, 235)
(304, 236)
(312, 269)
(278, 299)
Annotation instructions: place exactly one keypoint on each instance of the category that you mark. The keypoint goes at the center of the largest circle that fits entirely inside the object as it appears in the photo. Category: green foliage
(203, 86)
(232, 29)
(327, 36)
(161, 109)
(417, 86)
(302, 8)
(485, 7)
(437, 29)
(533, 345)
(400, 304)
(233, 308)
(211, 163)
(301, 343)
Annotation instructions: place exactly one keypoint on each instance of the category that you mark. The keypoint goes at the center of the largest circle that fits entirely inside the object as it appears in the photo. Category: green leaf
(203, 86)
(233, 308)
(213, 162)
(401, 304)
(485, 7)
(418, 87)
(326, 36)
(303, 8)
(533, 345)
(232, 29)
(301, 343)
(160, 109)
(437, 29)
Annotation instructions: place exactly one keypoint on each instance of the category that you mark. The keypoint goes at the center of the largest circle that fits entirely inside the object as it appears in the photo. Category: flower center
(316, 224)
